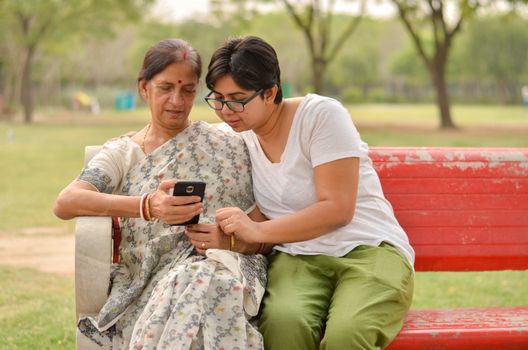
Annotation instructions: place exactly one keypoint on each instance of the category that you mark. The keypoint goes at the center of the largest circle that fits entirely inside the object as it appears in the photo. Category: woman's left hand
(207, 236)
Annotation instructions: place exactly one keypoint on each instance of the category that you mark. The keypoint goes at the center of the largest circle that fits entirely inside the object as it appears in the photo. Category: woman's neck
(272, 127)
(273, 136)
(159, 135)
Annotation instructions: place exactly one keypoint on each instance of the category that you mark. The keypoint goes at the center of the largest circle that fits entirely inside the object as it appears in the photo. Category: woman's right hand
(173, 209)
(234, 221)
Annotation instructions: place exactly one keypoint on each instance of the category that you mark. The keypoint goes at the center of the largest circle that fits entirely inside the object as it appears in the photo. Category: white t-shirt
(321, 132)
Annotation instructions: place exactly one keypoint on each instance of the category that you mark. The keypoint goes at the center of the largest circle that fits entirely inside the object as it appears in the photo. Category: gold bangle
(232, 243)
(148, 217)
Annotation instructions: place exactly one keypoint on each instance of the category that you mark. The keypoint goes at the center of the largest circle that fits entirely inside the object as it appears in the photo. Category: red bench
(464, 209)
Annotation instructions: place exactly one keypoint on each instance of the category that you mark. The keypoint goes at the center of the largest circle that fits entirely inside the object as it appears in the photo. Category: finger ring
(203, 245)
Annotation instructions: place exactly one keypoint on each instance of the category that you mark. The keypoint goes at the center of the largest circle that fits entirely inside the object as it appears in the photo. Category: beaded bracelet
(141, 205)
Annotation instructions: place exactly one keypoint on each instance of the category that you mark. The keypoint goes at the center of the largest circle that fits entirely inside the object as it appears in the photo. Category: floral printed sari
(164, 295)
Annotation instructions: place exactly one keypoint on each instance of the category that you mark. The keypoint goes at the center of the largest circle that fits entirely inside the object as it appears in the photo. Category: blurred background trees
(433, 26)
(97, 46)
(315, 20)
(50, 28)
(434, 53)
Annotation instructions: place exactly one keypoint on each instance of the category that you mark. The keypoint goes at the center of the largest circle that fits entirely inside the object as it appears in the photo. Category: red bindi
(179, 81)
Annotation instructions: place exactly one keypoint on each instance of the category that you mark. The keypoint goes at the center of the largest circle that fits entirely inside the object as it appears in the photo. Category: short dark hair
(166, 52)
(251, 61)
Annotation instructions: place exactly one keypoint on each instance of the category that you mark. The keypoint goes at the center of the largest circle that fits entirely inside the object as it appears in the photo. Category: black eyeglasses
(236, 106)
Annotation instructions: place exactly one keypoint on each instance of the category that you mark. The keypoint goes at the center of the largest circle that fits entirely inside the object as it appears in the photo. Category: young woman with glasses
(341, 276)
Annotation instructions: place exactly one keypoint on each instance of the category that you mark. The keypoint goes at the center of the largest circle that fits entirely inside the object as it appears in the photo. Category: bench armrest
(93, 258)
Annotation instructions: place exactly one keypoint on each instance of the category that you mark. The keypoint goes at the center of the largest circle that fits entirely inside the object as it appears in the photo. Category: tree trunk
(366, 90)
(26, 97)
(318, 69)
(442, 97)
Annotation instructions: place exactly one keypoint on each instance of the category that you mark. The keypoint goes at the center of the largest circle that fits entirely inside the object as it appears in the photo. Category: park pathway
(50, 251)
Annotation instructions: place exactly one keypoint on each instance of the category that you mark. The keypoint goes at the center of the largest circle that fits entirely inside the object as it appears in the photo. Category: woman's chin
(236, 126)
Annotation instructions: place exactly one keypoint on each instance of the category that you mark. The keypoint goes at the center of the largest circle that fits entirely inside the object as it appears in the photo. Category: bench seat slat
(443, 185)
(453, 218)
(504, 328)
(453, 170)
(449, 154)
(475, 263)
(471, 257)
(459, 201)
(467, 235)
(474, 250)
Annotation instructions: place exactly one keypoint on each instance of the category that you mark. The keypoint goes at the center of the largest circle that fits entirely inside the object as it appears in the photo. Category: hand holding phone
(190, 188)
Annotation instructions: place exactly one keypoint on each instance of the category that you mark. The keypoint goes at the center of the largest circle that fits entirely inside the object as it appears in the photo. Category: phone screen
(190, 188)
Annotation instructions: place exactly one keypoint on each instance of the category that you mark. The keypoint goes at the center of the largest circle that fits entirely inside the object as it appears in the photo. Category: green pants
(357, 301)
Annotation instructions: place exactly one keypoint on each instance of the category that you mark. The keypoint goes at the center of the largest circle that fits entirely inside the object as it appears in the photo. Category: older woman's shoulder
(119, 143)
(121, 148)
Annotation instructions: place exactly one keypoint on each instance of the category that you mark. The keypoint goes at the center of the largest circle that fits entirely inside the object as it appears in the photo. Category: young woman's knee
(285, 313)
(357, 336)
(289, 331)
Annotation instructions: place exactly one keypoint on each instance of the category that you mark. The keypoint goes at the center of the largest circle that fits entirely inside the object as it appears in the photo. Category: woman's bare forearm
(82, 199)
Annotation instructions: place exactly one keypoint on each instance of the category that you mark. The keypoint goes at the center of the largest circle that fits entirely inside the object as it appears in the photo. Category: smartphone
(190, 188)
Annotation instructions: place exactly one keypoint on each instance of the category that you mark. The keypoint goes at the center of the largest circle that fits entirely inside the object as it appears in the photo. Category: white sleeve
(333, 134)
(105, 170)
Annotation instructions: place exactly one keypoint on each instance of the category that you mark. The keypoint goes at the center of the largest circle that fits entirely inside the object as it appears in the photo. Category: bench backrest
(464, 209)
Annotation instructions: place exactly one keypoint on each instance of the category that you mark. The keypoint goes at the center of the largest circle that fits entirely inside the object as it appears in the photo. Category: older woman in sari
(167, 294)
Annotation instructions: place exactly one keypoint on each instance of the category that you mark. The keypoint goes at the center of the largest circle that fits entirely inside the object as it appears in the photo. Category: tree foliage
(442, 20)
(315, 20)
(430, 17)
(496, 51)
(487, 62)
(54, 25)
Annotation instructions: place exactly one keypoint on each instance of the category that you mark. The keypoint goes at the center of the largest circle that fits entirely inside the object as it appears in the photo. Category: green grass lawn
(464, 116)
(37, 309)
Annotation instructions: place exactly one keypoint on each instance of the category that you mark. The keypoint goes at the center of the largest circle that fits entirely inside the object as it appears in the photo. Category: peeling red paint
(464, 209)
(504, 328)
